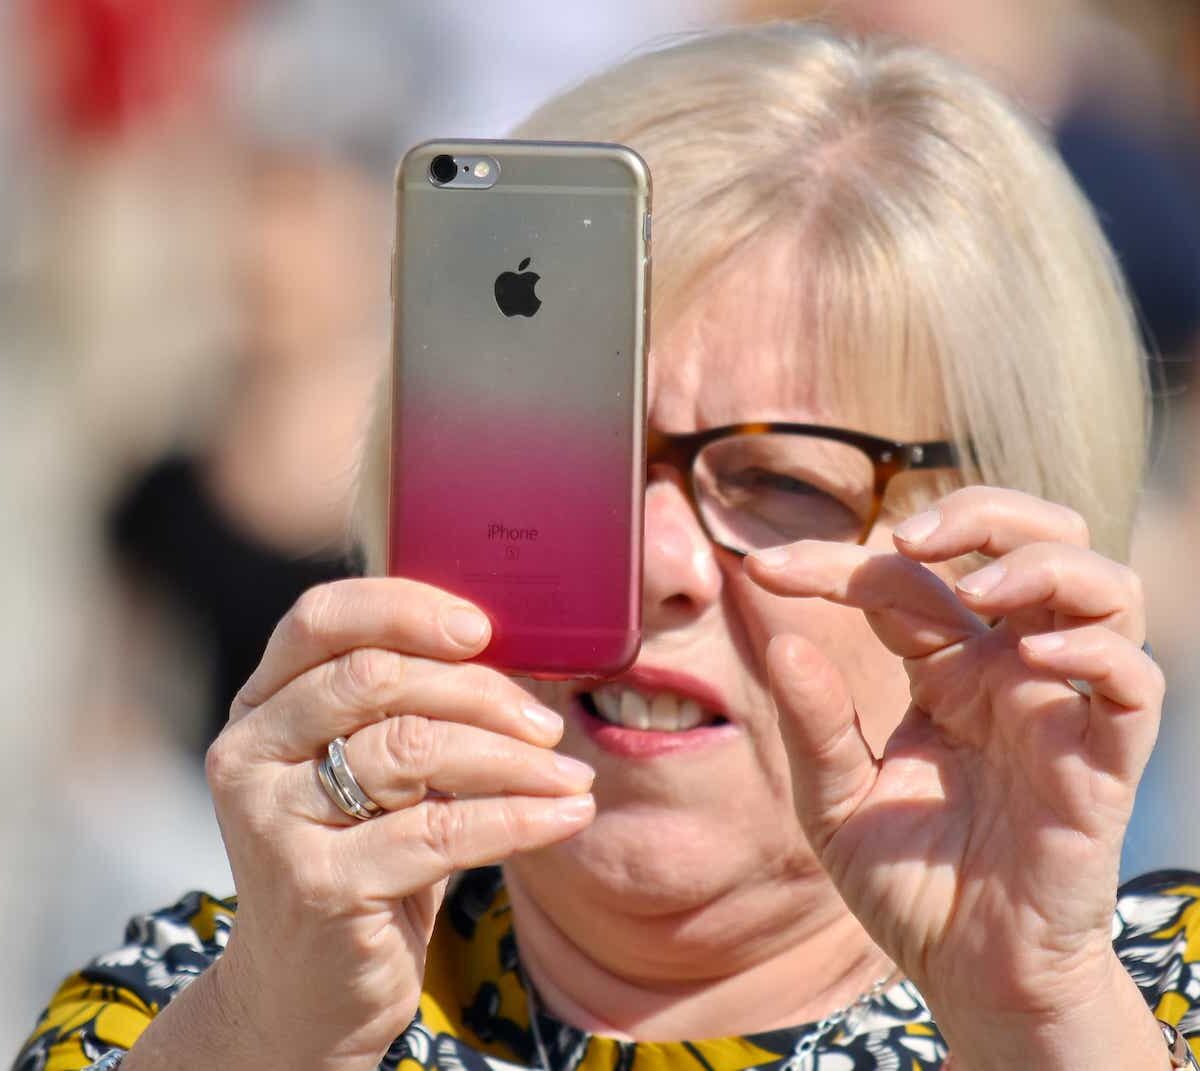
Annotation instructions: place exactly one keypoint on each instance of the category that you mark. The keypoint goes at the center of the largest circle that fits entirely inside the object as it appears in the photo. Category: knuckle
(1102, 658)
(311, 615)
(515, 828)
(364, 678)
(250, 696)
(412, 744)
(967, 498)
(444, 830)
(971, 493)
(222, 764)
(1134, 588)
(1042, 558)
(1094, 641)
(1075, 526)
(243, 702)
(487, 689)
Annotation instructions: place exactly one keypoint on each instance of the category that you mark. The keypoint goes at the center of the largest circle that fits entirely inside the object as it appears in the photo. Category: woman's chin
(657, 861)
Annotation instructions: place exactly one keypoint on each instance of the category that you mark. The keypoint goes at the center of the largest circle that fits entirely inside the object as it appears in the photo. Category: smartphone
(521, 292)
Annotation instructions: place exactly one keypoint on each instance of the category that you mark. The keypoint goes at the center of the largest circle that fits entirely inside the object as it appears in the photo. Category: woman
(896, 811)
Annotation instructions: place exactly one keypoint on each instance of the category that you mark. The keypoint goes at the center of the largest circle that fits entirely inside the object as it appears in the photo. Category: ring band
(341, 785)
(343, 802)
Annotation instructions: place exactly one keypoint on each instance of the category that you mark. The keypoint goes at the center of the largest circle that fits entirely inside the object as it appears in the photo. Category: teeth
(691, 714)
(663, 713)
(608, 703)
(634, 711)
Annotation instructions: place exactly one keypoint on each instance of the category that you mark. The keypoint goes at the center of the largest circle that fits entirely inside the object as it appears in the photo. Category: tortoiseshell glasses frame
(888, 458)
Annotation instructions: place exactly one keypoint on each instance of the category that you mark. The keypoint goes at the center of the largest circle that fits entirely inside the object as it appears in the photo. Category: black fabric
(167, 527)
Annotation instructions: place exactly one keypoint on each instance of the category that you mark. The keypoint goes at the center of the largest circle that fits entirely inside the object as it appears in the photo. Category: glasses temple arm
(934, 455)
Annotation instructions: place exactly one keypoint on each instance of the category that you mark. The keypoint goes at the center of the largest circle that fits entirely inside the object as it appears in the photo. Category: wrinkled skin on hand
(990, 828)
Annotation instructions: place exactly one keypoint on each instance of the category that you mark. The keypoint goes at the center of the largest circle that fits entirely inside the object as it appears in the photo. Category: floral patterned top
(474, 1014)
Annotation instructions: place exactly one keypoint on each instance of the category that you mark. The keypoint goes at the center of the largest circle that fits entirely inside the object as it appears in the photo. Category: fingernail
(919, 527)
(772, 557)
(465, 626)
(1046, 643)
(546, 721)
(980, 582)
(571, 810)
(574, 769)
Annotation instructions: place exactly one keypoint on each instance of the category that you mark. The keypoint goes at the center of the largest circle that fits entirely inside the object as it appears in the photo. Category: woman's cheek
(875, 676)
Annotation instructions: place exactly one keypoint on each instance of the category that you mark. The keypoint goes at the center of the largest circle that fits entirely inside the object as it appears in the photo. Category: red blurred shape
(104, 65)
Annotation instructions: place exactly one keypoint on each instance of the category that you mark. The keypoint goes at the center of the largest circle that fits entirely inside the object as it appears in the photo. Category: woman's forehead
(739, 352)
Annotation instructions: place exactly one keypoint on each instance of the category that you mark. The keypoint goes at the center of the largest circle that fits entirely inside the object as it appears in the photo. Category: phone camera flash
(482, 169)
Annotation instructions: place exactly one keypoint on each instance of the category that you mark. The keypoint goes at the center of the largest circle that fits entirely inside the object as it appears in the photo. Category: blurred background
(195, 228)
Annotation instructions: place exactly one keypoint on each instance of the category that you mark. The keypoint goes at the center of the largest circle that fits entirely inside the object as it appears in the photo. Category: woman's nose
(681, 576)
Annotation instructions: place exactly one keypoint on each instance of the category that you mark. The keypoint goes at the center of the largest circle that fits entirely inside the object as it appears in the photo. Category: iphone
(521, 293)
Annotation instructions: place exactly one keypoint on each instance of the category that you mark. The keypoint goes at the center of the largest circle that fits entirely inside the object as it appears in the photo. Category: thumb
(833, 769)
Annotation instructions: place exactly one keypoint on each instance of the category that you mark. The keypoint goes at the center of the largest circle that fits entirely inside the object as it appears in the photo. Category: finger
(908, 606)
(833, 769)
(1073, 581)
(366, 685)
(411, 849)
(398, 762)
(330, 619)
(1127, 691)
(988, 520)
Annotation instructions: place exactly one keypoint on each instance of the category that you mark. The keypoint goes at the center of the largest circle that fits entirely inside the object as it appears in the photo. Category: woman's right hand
(326, 960)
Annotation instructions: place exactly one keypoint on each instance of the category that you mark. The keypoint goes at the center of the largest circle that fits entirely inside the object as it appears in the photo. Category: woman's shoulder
(1156, 934)
(166, 949)
(107, 1004)
(1160, 905)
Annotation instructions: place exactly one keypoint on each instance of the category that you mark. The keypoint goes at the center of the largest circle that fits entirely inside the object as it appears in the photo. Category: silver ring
(341, 785)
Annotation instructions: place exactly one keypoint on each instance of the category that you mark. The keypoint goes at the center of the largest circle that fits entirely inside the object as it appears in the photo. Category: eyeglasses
(760, 485)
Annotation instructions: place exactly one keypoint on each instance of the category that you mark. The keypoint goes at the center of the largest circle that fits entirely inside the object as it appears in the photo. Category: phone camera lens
(443, 169)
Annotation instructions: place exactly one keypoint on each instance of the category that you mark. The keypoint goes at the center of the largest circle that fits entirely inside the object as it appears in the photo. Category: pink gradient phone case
(517, 465)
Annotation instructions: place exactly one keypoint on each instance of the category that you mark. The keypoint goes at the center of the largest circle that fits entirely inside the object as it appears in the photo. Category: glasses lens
(757, 491)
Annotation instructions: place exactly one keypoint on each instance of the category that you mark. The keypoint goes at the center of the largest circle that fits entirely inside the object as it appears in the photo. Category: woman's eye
(756, 479)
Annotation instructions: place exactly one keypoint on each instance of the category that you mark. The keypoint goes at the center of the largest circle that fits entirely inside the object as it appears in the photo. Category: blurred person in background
(257, 429)
(236, 527)
(157, 139)
(110, 113)
(895, 827)
(126, 136)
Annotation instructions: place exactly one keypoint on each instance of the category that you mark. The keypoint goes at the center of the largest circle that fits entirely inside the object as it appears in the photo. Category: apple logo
(514, 293)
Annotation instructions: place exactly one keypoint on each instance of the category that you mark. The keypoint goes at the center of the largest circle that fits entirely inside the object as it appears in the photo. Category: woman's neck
(632, 977)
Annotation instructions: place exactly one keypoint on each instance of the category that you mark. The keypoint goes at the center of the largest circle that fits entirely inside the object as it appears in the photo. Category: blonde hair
(950, 279)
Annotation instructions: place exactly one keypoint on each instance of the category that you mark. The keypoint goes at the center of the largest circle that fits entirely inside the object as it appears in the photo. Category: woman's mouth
(661, 712)
(640, 715)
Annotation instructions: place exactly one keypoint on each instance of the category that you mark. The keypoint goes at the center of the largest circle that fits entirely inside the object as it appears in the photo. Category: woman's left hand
(981, 851)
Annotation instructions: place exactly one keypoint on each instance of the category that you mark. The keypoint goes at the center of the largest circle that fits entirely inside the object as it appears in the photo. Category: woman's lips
(650, 743)
(651, 679)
